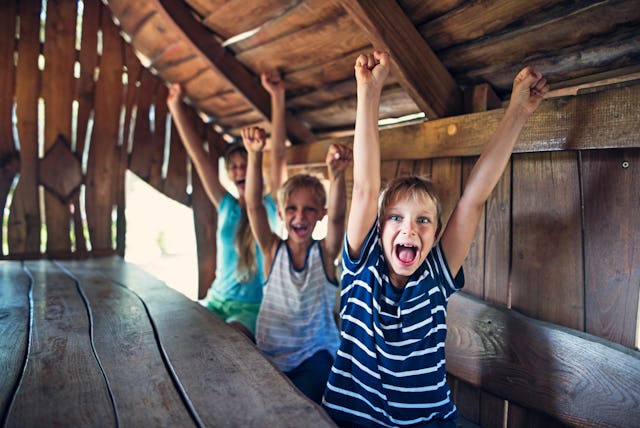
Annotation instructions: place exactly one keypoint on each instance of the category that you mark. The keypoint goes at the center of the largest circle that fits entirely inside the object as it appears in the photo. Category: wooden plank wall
(87, 91)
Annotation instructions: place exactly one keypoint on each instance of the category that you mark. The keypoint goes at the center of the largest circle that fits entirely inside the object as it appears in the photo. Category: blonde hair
(243, 241)
(245, 245)
(414, 187)
(302, 181)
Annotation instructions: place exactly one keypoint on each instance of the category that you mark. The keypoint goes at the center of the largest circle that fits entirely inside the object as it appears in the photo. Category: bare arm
(278, 168)
(529, 88)
(338, 158)
(206, 168)
(371, 72)
(254, 141)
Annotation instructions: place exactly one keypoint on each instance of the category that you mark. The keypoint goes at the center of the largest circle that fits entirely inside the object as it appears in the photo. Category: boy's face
(237, 170)
(300, 214)
(408, 234)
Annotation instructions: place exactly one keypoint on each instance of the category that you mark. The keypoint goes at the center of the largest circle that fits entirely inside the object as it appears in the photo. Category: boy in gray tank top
(295, 326)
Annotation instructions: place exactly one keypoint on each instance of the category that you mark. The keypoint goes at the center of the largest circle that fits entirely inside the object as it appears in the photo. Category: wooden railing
(575, 378)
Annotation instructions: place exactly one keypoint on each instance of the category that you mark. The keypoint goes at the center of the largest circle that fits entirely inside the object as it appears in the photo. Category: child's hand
(174, 97)
(528, 90)
(372, 69)
(254, 139)
(338, 158)
(272, 83)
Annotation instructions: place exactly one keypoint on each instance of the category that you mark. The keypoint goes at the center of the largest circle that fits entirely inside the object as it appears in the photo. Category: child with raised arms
(296, 328)
(236, 292)
(397, 276)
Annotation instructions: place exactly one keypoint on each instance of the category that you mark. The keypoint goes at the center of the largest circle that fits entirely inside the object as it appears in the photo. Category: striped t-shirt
(390, 368)
(296, 315)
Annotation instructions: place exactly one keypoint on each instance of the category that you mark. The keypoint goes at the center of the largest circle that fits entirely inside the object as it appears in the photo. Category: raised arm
(254, 141)
(371, 72)
(206, 167)
(278, 168)
(528, 90)
(338, 158)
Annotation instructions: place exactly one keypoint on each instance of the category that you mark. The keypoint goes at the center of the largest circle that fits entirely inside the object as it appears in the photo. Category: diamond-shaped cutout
(60, 171)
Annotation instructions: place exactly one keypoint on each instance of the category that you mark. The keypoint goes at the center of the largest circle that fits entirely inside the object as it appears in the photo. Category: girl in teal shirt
(236, 292)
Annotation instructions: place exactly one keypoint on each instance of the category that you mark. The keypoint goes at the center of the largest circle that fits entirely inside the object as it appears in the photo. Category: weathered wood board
(103, 343)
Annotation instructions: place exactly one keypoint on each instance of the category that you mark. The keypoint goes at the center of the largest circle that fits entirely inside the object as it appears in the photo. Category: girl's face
(237, 170)
(408, 233)
(300, 214)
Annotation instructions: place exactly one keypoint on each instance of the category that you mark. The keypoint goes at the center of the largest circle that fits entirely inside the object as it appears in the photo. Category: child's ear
(280, 213)
(323, 213)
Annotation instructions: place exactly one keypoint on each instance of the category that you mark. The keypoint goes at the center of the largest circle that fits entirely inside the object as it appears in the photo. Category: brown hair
(412, 186)
(233, 149)
(300, 181)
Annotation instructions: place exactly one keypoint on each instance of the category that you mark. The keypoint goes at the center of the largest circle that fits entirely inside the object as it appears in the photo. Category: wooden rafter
(417, 67)
(236, 74)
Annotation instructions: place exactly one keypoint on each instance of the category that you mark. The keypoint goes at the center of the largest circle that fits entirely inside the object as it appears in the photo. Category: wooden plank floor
(102, 343)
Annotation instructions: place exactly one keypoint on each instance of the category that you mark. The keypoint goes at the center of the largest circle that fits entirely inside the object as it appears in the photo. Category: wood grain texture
(103, 158)
(205, 219)
(612, 242)
(14, 329)
(24, 218)
(474, 263)
(146, 155)
(9, 156)
(575, 32)
(566, 123)
(220, 60)
(63, 384)
(57, 93)
(88, 59)
(228, 381)
(222, 18)
(125, 342)
(414, 63)
(576, 378)
(7, 35)
(447, 177)
(547, 239)
(297, 16)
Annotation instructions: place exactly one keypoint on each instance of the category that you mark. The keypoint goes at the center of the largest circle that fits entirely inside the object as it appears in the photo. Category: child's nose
(408, 227)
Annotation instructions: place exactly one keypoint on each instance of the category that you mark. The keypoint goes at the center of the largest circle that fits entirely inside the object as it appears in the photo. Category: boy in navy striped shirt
(397, 277)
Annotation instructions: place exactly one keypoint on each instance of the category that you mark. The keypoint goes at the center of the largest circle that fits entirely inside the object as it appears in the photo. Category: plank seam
(91, 340)
(23, 370)
(165, 358)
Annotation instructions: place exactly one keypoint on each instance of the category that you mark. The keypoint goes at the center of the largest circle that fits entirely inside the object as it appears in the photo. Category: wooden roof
(217, 50)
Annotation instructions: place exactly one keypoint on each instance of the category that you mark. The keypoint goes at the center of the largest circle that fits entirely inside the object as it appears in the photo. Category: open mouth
(299, 230)
(406, 253)
(240, 182)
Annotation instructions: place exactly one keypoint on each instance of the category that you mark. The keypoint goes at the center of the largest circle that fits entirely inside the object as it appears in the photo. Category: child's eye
(424, 220)
(394, 217)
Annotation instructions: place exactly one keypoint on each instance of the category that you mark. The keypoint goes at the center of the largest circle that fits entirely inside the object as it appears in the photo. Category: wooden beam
(579, 379)
(236, 74)
(416, 66)
(600, 120)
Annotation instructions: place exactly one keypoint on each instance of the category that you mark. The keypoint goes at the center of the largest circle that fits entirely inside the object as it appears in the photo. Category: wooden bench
(102, 343)
(575, 378)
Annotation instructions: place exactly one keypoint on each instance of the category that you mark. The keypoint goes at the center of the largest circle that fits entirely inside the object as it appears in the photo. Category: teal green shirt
(226, 285)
